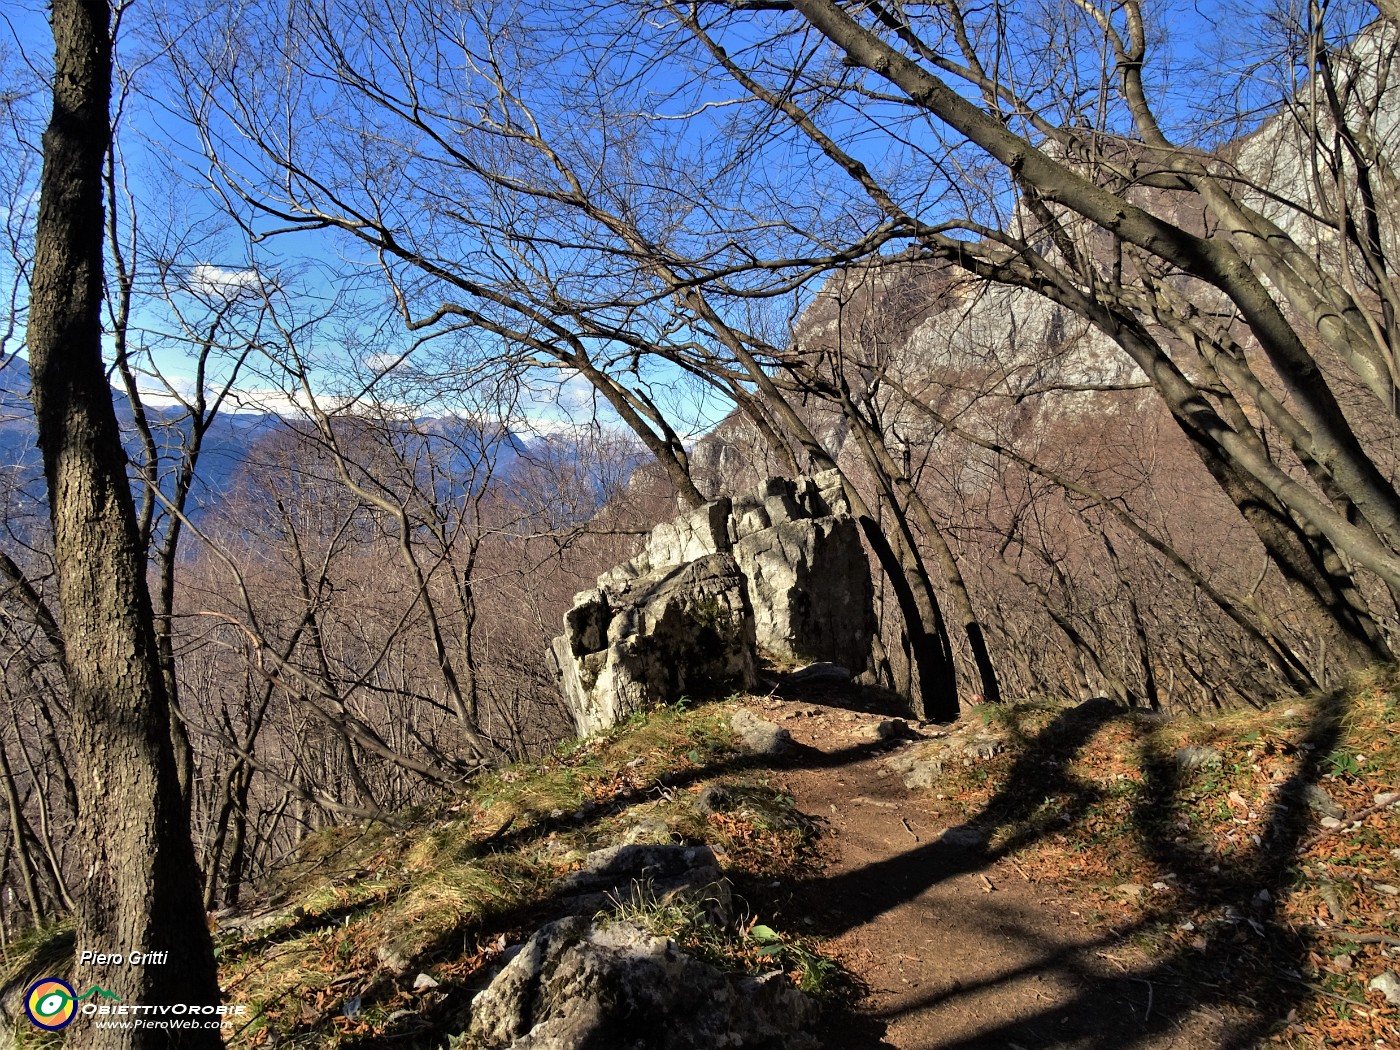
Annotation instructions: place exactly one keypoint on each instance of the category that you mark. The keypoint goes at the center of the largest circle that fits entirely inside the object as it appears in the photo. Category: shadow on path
(1245, 965)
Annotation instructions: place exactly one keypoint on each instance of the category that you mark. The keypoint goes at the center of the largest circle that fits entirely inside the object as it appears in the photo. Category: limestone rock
(759, 735)
(921, 766)
(1388, 985)
(697, 534)
(1319, 801)
(822, 671)
(919, 769)
(884, 729)
(715, 798)
(963, 838)
(638, 873)
(1192, 758)
(680, 628)
(606, 866)
(393, 959)
(578, 986)
(809, 585)
(781, 569)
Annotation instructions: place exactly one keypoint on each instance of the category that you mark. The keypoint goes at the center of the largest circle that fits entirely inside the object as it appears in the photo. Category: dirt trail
(956, 948)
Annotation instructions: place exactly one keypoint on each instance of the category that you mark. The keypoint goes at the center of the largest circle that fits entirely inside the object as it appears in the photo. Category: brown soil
(957, 948)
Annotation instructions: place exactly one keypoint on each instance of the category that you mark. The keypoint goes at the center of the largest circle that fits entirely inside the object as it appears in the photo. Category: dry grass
(1225, 870)
(447, 893)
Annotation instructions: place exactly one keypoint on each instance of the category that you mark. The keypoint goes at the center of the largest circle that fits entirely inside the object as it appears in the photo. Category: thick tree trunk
(142, 883)
(1334, 607)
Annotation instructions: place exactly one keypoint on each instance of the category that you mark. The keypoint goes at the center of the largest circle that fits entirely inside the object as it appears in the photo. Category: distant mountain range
(230, 446)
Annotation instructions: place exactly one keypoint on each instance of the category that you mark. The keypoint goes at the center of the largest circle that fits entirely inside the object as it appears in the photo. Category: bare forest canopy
(418, 315)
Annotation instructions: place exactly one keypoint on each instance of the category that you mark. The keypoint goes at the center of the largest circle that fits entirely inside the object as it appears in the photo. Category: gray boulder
(648, 873)
(579, 986)
(652, 639)
(759, 735)
(823, 671)
(780, 569)
(809, 585)
(608, 867)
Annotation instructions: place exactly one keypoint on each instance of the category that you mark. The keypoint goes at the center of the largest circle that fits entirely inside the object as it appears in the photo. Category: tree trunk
(883, 466)
(142, 887)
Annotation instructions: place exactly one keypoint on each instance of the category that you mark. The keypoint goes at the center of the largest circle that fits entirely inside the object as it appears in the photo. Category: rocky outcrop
(678, 629)
(758, 735)
(639, 873)
(779, 570)
(807, 577)
(578, 986)
(922, 766)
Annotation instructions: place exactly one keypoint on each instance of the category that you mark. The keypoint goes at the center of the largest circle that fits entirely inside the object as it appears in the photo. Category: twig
(1356, 938)
(1150, 994)
(907, 828)
(1347, 822)
(1316, 990)
(496, 836)
(1019, 870)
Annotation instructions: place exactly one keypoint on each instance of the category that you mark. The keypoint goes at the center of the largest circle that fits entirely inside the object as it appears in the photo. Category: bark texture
(142, 882)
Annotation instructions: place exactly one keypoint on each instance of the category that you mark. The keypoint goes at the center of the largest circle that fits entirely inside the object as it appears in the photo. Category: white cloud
(569, 396)
(167, 394)
(527, 427)
(208, 279)
(383, 362)
(274, 402)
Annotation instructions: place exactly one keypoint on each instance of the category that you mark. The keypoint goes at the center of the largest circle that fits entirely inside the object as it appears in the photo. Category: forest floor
(955, 947)
(1073, 878)
(1032, 876)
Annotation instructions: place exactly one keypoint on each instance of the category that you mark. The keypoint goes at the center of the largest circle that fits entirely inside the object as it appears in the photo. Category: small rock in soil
(1320, 802)
(1190, 758)
(984, 747)
(392, 960)
(424, 983)
(1388, 985)
(714, 798)
(885, 729)
(759, 735)
(968, 837)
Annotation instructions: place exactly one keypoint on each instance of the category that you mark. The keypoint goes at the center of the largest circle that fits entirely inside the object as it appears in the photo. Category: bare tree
(141, 893)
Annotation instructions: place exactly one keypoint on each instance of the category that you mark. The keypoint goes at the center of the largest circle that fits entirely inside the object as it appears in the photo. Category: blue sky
(313, 270)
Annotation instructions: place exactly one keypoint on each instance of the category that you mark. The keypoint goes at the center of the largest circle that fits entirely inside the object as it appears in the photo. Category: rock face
(780, 569)
(654, 637)
(806, 572)
(639, 873)
(577, 986)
